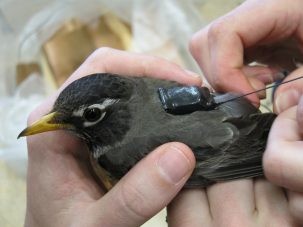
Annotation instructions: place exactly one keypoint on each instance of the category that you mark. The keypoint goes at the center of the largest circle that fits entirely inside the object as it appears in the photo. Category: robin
(122, 119)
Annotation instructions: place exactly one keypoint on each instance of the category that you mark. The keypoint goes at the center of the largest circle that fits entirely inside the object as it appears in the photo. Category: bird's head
(93, 107)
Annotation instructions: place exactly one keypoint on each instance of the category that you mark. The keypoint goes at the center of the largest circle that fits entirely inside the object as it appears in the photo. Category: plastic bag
(13, 114)
(158, 27)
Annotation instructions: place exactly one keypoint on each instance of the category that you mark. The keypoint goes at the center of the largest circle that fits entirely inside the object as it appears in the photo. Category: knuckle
(218, 78)
(101, 52)
(216, 81)
(217, 29)
(195, 44)
(133, 202)
(99, 57)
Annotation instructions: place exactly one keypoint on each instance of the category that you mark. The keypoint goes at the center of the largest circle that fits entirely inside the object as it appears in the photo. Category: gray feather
(228, 141)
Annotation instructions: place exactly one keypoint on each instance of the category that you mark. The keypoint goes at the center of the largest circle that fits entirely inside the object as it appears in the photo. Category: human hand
(268, 31)
(254, 202)
(61, 190)
(246, 202)
(223, 50)
(283, 157)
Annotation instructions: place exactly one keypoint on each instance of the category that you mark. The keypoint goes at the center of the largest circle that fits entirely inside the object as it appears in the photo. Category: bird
(123, 118)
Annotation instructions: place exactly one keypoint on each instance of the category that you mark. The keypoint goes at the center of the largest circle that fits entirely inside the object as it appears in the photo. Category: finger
(124, 63)
(271, 200)
(147, 188)
(229, 36)
(280, 54)
(257, 85)
(219, 80)
(296, 205)
(287, 95)
(198, 47)
(189, 208)
(131, 64)
(260, 76)
(61, 171)
(272, 205)
(263, 73)
(283, 157)
(63, 157)
(231, 200)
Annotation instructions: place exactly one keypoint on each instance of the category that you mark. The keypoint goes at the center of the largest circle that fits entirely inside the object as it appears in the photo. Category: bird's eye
(92, 114)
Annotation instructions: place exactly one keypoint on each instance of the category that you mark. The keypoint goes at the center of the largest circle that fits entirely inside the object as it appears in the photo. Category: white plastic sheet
(158, 27)
(26, 25)
(13, 114)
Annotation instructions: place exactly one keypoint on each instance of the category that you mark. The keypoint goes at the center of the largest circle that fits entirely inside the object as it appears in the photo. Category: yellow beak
(45, 124)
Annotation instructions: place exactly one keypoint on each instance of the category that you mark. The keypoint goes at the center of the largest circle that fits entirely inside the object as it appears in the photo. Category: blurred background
(44, 41)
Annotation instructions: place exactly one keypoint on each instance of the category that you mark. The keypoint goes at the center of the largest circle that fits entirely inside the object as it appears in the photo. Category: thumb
(147, 188)
(287, 95)
(282, 160)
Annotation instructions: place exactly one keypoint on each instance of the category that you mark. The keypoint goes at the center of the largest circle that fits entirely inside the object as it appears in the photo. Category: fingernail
(193, 74)
(173, 164)
(286, 99)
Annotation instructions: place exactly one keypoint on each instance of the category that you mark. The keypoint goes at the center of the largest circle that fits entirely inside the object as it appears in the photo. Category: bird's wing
(241, 159)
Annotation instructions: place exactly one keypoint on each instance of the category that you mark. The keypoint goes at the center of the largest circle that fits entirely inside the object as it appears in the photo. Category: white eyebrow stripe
(107, 102)
(79, 112)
